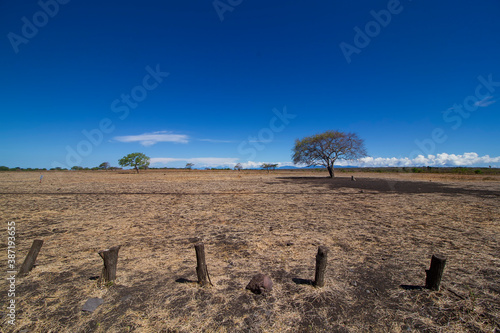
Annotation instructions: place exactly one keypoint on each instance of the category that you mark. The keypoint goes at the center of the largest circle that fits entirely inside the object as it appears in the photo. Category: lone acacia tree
(135, 160)
(325, 148)
(104, 166)
(268, 166)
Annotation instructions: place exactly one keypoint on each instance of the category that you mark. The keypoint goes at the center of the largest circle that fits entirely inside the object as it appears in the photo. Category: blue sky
(237, 81)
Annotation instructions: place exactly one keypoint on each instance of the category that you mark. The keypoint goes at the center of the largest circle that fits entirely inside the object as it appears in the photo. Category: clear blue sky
(217, 83)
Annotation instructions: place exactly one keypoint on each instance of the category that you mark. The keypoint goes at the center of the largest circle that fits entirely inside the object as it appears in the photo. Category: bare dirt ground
(381, 231)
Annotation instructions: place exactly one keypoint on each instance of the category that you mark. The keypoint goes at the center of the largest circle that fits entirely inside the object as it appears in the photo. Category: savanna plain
(380, 230)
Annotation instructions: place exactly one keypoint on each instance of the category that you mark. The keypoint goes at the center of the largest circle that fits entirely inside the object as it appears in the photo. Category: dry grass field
(381, 231)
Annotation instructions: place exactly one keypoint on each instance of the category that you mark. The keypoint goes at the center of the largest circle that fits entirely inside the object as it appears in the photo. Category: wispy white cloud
(216, 141)
(487, 101)
(149, 139)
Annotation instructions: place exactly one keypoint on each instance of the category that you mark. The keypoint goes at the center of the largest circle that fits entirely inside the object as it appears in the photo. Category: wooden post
(201, 266)
(110, 259)
(321, 259)
(435, 272)
(29, 262)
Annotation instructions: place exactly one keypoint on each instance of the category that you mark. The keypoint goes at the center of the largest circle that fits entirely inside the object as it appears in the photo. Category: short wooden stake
(321, 259)
(29, 262)
(110, 259)
(435, 272)
(201, 266)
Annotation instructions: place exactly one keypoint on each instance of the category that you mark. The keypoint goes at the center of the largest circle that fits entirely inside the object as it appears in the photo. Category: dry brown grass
(380, 230)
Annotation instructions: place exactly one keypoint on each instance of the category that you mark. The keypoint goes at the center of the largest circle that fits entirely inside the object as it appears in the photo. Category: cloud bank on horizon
(438, 160)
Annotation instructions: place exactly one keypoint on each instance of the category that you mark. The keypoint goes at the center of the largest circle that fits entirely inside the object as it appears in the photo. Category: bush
(460, 170)
(478, 172)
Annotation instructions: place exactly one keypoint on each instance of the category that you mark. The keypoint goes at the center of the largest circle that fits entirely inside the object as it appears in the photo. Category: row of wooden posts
(110, 259)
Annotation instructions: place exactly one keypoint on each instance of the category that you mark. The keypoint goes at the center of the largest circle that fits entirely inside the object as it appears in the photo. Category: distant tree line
(102, 166)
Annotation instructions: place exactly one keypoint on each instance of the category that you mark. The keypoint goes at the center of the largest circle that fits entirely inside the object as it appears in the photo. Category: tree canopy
(135, 160)
(325, 148)
(104, 165)
(268, 166)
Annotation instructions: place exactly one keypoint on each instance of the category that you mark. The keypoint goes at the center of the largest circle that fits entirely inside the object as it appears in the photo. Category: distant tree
(76, 167)
(4, 168)
(104, 166)
(325, 148)
(189, 165)
(268, 166)
(135, 160)
(238, 167)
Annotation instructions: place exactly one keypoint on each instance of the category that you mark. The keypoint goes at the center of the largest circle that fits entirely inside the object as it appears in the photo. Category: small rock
(259, 284)
(289, 244)
(92, 304)
(361, 191)
(354, 283)
(353, 179)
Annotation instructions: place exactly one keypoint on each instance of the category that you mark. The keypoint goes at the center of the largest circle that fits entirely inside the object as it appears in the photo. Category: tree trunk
(136, 169)
(330, 171)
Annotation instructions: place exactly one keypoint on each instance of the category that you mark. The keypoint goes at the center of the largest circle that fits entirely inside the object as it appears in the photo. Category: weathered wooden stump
(110, 260)
(435, 272)
(321, 260)
(353, 179)
(201, 266)
(29, 262)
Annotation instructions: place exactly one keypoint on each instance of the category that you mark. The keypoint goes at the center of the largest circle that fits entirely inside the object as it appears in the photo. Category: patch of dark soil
(183, 280)
(303, 281)
(319, 312)
(27, 287)
(386, 185)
